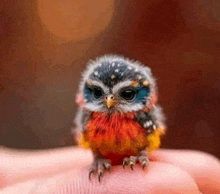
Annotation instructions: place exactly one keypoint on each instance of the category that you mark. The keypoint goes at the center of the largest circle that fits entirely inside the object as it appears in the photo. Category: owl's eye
(97, 92)
(128, 94)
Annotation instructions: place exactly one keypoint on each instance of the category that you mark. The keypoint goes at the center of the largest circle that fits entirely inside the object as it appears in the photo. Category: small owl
(119, 118)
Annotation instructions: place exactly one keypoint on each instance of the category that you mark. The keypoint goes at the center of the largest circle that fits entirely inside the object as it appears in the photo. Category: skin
(66, 171)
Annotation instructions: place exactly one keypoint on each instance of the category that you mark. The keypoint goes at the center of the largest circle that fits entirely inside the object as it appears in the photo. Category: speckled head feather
(111, 74)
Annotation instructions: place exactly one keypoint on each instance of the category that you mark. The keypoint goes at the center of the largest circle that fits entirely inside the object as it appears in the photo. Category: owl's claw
(141, 158)
(100, 174)
(108, 166)
(129, 161)
(125, 162)
(90, 173)
(92, 170)
(144, 161)
(99, 165)
(132, 166)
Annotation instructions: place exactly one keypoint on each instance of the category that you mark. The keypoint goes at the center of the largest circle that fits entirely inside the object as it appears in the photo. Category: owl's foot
(130, 161)
(99, 165)
(142, 158)
(144, 161)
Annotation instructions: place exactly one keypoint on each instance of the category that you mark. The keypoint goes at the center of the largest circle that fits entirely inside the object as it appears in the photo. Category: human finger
(157, 178)
(204, 168)
(18, 166)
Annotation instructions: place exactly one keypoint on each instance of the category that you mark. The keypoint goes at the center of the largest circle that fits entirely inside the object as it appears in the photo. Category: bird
(118, 118)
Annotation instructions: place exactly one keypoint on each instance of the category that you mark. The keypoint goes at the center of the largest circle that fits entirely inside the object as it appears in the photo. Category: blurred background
(44, 47)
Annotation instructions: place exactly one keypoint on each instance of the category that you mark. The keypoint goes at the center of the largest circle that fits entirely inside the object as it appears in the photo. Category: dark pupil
(97, 92)
(128, 94)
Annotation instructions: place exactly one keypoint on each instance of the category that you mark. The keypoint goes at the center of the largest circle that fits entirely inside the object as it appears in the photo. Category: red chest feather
(116, 134)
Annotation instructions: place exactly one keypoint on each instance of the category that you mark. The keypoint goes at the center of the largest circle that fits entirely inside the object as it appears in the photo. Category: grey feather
(111, 73)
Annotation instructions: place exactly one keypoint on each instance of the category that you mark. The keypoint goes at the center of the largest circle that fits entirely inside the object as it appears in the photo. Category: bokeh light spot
(76, 19)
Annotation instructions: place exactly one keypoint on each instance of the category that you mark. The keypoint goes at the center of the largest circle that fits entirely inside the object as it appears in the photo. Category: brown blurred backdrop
(45, 45)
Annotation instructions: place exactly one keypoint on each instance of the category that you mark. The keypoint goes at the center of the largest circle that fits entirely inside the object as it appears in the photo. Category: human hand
(66, 171)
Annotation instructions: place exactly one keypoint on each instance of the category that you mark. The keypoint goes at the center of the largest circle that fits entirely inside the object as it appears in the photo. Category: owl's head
(112, 83)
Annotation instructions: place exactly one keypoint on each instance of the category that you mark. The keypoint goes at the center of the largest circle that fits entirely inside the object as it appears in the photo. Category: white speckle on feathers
(139, 77)
(112, 76)
(96, 73)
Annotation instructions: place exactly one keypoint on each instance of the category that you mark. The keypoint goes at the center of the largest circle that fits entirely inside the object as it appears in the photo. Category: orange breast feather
(117, 135)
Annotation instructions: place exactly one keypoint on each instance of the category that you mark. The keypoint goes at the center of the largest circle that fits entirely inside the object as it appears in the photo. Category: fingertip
(157, 178)
(203, 167)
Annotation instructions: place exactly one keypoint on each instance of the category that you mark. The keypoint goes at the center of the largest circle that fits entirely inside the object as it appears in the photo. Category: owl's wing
(153, 123)
(81, 119)
(152, 120)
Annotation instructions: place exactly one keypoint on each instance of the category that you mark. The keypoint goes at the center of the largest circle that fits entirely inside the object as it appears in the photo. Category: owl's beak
(110, 100)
